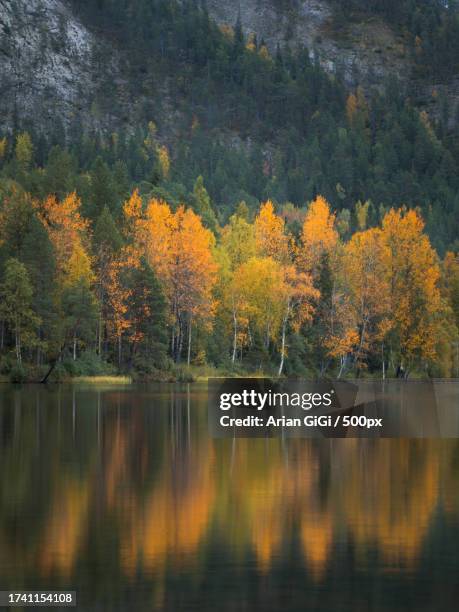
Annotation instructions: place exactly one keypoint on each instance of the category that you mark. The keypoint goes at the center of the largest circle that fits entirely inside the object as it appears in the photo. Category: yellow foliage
(250, 45)
(351, 107)
(23, 150)
(66, 228)
(319, 235)
(3, 146)
(259, 290)
(164, 161)
(78, 267)
(180, 250)
(416, 304)
(227, 30)
(264, 53)
(238, 240)
(361, 212)
(270, 237)
(367, 274)
(132, 210)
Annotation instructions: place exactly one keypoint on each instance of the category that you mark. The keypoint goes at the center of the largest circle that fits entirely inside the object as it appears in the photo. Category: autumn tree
(299, 296)
(415, 301)
(78, 301)
(451, 282)
(319, 236)
(3, 148)
(238, 240)
(366, 272)
(68, 233)
(258, 291)
(66, 227)
(180, 251)
(271, 239)
(117, 296)
(320, 256)
(236, 248)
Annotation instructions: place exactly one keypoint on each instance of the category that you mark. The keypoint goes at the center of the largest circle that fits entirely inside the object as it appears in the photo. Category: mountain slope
(365, 52)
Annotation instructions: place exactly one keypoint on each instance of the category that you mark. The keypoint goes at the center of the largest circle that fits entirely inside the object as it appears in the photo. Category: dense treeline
(290, 292)
(85, 285)
(258, 126)
(433, 27)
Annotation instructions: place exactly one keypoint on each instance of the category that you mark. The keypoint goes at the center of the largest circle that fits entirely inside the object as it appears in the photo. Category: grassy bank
(103, 380)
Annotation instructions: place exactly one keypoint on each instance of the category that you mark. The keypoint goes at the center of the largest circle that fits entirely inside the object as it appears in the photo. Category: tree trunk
(99, 339)
(18, 345)
(284, 331)
(362, 339)
(75, 348)
(173, 341)
(383, 362)
(233, 359)
(343, 365)
(189, 341)
(179, 346)
(281, 366)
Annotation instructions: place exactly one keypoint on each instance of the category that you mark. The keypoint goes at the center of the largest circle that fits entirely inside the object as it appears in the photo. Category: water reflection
(121, 495)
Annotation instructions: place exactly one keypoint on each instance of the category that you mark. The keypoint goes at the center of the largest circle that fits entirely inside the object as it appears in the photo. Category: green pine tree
(16, 299)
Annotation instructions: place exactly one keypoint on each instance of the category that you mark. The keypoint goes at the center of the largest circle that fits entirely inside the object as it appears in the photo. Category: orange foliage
(180, 250)
(66, 228)
(270, 237)
(319, 235)
(415, 274)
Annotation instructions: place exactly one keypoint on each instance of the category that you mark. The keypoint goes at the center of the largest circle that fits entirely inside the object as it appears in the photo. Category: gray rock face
(364, 52)
(46, 61)
(52, 67)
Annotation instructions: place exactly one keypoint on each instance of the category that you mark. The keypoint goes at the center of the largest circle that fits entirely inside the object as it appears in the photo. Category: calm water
(121, 495)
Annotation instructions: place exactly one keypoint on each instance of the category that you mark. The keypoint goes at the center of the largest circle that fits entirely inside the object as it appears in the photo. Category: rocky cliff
(364, 49)
(55, 67)
(46, 61)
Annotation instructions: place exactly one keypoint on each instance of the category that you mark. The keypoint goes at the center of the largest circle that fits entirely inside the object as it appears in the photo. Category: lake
(120, 494)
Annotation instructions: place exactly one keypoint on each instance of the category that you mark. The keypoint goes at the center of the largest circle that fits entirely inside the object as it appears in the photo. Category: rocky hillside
(365, 49)
(55, 66)
(46, 61)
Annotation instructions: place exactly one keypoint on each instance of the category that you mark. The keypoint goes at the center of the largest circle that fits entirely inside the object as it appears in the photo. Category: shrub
(18, 374)
(88, 364)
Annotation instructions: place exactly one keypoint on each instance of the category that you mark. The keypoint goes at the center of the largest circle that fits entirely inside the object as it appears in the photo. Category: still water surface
(120, 494)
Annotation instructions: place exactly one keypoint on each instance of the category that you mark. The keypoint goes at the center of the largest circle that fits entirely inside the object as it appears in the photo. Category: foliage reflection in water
(121, 495)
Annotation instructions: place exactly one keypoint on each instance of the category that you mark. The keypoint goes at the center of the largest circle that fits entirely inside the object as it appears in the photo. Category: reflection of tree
(144, 480)
(316, 539)
(172, 520)
(276, 497)
(66, 528)
(384, 492)
(390, 494)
